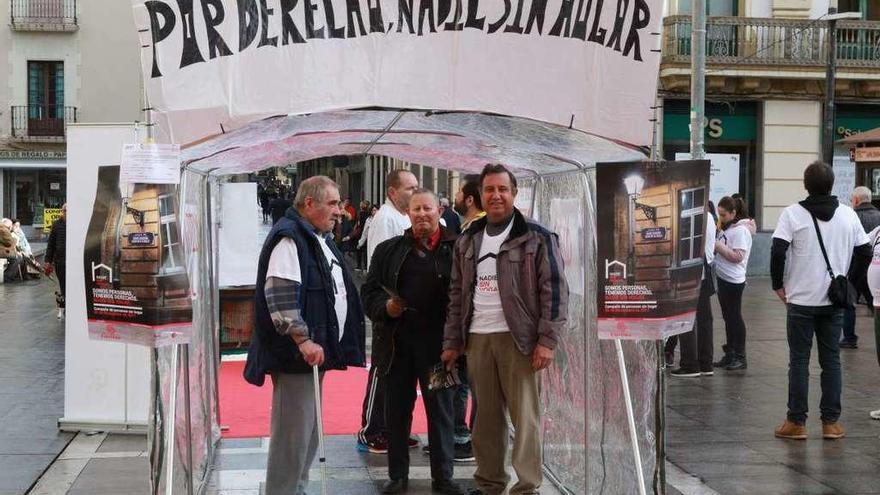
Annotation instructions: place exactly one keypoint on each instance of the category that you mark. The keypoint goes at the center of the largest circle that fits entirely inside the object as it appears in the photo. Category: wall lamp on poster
(137, 215)
(634, 185)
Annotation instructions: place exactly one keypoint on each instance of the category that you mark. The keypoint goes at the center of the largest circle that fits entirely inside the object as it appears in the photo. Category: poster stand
(630, 416)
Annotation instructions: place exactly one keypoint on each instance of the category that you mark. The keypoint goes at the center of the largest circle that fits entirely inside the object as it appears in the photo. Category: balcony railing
(743, 41)
(41, 122)
(43, 15)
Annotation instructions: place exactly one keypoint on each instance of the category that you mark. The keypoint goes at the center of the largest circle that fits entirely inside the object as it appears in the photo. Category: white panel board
(104, 383)
(238, 233)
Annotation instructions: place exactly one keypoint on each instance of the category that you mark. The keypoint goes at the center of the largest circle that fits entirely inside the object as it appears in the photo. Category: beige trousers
(502, 380)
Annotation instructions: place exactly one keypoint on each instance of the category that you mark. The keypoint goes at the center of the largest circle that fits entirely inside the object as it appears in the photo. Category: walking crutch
(322, 459)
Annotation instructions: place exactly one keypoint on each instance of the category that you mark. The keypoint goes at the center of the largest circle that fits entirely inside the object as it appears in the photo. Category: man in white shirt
(801, 278)
(390, 221)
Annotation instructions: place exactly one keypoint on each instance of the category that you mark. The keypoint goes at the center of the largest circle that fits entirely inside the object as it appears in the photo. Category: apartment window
(172, 251)
(691, 227)
(45, 98)
(713, 7)
(870, 9)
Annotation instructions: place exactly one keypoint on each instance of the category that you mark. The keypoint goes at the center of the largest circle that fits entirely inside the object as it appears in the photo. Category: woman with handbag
(732, 248)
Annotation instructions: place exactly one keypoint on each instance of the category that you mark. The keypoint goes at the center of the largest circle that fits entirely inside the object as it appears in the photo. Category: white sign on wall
(844, 177)
(212, 66)
(723, 174)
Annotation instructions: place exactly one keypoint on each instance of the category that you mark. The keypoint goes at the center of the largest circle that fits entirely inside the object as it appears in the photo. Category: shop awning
(33, 164)
(872, 136)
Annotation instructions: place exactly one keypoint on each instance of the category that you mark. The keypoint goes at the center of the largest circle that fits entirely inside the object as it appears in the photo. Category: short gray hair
(863, 193)
(425, 190)
(315, 188)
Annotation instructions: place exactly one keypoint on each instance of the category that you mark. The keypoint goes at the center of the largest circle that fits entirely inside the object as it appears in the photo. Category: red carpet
(245, 409)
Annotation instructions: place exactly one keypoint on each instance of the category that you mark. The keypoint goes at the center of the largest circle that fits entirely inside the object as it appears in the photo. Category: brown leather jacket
(531, 283)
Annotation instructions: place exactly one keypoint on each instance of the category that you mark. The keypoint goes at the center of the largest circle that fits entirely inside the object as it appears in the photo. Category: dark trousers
(373, 411)
(61, 273)
(696, 345)
(730, 298)
(459, 404)
(802, 323)
(849, 315)
(412, 366)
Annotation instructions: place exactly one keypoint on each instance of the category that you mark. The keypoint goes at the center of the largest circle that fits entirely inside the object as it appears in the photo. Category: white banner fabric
(213, 65)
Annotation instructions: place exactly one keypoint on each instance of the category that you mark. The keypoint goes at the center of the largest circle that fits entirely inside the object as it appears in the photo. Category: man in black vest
(405, 295)
(307, 313)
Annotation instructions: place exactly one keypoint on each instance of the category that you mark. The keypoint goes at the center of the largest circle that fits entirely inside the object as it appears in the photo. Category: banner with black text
(214, 65)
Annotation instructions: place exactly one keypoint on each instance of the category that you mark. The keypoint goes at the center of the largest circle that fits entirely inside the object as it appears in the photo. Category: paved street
(31, 383)
(720, 429)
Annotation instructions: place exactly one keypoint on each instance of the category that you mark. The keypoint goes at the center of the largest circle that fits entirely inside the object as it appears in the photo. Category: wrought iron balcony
(41, 122)
(745, 41)
(43, 15)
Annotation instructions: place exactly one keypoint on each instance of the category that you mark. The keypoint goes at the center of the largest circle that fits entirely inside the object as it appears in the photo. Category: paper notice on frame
(651, 222)
(150, 163)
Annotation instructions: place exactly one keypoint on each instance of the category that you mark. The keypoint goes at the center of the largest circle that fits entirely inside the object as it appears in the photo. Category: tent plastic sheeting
(586, 437)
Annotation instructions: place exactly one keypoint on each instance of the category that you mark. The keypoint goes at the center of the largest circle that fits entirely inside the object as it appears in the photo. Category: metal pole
(172, 427)
(184, 350)
(698, 78)
(830, 86)
(634, 438)
(322, 460)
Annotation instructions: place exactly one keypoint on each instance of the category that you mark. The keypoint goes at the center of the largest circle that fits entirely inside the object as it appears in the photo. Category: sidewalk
(720, 428)
(31, 383)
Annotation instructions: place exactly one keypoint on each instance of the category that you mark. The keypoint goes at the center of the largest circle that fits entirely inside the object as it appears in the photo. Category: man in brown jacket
(508, 307)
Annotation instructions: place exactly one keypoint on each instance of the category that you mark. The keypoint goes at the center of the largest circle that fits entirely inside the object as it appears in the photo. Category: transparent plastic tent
(587, 445)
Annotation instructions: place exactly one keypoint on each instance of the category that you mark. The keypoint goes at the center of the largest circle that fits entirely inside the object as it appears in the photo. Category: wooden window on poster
(691, 225)
(172, 250)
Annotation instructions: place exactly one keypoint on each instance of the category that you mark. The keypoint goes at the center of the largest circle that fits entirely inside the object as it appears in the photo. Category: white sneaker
(60, 313)
(875, 414)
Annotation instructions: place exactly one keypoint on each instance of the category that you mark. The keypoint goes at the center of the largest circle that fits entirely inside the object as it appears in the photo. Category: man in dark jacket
(56, 256)
(307, 314)
(405, 296)
(508, 307)
(869, 217)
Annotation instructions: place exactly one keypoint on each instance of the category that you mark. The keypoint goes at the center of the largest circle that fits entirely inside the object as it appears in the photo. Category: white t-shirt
(735, 237)
(806, 276)
(874, 267)
(284, 263)
(488, 313)
(709, 247)
(387, 223)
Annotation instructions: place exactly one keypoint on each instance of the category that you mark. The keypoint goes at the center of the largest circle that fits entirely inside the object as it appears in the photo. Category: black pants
(373, 412)
(730, 298)
(61, 273)
(696, 345)
(463, 422)
(412, 365)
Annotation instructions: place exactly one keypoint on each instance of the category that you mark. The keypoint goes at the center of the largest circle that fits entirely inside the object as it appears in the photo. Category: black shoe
(412, 442)
(849, 345)
(728, 357)
(464, 452)
(447, 487)
(683, 373)
(394, 486)
(426, 450)
(737, 363)
(707, 372)
(670, 358)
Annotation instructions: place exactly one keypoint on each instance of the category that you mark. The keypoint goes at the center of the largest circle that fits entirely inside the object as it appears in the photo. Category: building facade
(63, 61)
(765, 91)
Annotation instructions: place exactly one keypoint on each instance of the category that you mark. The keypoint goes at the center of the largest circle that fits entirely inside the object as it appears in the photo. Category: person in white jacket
(390, 221)
(874, 285)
